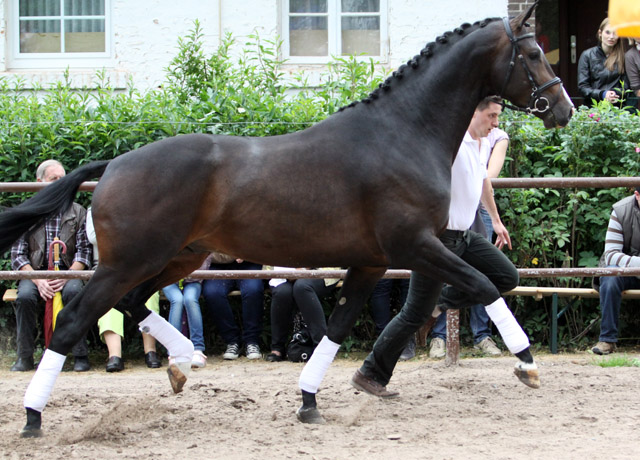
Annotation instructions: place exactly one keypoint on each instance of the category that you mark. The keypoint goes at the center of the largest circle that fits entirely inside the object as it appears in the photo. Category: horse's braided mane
(443, 41)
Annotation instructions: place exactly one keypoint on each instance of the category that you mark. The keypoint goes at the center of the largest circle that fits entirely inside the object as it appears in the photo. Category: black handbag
(301, 347)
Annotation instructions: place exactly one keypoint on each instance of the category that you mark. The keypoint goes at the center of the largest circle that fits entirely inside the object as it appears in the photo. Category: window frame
(334, 20)
(18, 60)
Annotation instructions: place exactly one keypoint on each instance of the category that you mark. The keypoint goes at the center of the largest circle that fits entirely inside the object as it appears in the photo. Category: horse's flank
(337, 194)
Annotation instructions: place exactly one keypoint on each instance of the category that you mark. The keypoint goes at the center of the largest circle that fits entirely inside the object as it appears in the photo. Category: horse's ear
(521, 19)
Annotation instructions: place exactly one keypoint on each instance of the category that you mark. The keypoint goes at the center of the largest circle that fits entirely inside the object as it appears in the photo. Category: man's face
(484, 121)
(53, 173)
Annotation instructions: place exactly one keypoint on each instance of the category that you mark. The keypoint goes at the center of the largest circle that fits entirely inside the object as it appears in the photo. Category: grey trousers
(27, 306)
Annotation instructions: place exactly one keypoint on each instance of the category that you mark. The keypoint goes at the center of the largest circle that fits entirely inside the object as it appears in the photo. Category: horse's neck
(436, 101)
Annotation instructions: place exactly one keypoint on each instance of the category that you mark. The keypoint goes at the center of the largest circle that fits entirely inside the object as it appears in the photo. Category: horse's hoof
(34, 423)
(176, 378)
(310, 415)
(528, 374)
(29, 432)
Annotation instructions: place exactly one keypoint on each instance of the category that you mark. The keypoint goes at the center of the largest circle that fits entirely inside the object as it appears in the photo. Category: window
(315, 30)
(58, 33)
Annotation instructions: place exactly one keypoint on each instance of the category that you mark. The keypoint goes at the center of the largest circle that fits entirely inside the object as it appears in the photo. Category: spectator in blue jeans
(621, 249)
(186, 299)
(479, 320)
(215, 293)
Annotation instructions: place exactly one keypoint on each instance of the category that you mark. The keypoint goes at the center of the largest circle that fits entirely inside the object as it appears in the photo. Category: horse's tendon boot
(528, 374)
(178, 376)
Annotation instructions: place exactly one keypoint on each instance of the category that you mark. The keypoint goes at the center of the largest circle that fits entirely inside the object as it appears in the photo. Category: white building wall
(145, 33)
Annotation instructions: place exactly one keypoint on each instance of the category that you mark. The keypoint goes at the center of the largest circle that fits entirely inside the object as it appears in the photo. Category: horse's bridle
(537, 102)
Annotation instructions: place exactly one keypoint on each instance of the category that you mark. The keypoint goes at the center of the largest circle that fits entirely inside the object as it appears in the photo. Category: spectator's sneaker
(199, 360)
(253, 351)
(409, 350)
(438, 348)
(604, 348)
(233, 351)
(274, 357)
(488, 347)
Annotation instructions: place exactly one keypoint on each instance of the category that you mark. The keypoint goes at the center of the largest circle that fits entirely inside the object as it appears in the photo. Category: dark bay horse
(368, 188)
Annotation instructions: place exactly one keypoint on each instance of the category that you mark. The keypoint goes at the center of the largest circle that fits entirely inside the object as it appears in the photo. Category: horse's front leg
(358, 284)
(73, 322)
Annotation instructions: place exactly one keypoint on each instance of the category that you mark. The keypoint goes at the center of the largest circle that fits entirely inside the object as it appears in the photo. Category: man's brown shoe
(363, 383)
(604, 348)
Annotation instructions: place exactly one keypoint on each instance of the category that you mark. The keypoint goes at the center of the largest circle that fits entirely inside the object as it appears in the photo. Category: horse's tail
(51, 200)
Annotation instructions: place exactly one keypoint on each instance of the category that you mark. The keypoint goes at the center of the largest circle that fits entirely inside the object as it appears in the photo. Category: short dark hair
(488, 100)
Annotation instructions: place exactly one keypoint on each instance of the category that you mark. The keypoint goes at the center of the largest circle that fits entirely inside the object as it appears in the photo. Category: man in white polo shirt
(469, 185)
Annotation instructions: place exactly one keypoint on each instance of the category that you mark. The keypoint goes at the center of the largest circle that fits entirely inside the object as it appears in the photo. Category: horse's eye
(534, 55)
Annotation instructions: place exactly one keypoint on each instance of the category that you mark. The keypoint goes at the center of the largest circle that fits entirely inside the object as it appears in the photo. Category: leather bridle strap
(537, 102)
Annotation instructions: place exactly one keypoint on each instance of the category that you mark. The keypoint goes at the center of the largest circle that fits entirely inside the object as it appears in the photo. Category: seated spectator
(215, 293)
(622, 241)
(632, 66)
(185, 297)
(111, 329)
(111, 324)
(304, 295)
(601, 69)
(31, 252)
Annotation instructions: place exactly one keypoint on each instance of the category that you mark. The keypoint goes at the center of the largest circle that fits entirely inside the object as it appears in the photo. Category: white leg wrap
(178, 345)
(41, 384)
(316, 368)
(514, 337)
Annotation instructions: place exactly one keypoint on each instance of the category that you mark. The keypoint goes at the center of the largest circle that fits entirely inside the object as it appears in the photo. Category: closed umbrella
(53, 306)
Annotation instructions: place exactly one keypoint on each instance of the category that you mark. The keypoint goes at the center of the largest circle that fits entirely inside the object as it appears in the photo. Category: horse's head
(527, 78)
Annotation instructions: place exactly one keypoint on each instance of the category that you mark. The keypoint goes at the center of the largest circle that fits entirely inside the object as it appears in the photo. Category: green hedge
(251, 95)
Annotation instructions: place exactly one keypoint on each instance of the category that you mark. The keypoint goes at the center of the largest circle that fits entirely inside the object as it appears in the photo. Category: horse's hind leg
(357, 286)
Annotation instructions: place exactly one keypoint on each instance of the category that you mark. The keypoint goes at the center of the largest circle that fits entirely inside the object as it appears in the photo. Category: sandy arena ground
(245, 410)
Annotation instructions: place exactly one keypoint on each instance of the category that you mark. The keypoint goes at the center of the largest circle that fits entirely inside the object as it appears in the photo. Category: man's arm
(502, 234)
(614, 245)
(20, 262)
(82, 257)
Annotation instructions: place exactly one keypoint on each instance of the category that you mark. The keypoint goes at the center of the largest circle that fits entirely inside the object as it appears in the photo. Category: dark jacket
(594, 78)
(72, 219)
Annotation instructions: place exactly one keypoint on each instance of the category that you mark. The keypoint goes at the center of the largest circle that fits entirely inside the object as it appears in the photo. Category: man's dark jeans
(424, 292)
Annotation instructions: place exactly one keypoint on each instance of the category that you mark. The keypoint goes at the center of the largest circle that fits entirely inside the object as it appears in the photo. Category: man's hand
(45, 289)
(502, 235)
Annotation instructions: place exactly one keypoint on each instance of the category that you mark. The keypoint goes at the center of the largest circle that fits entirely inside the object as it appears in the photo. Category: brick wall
(515, 7)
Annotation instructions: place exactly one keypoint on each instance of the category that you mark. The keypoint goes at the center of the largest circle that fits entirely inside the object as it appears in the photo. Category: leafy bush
(565, 227)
